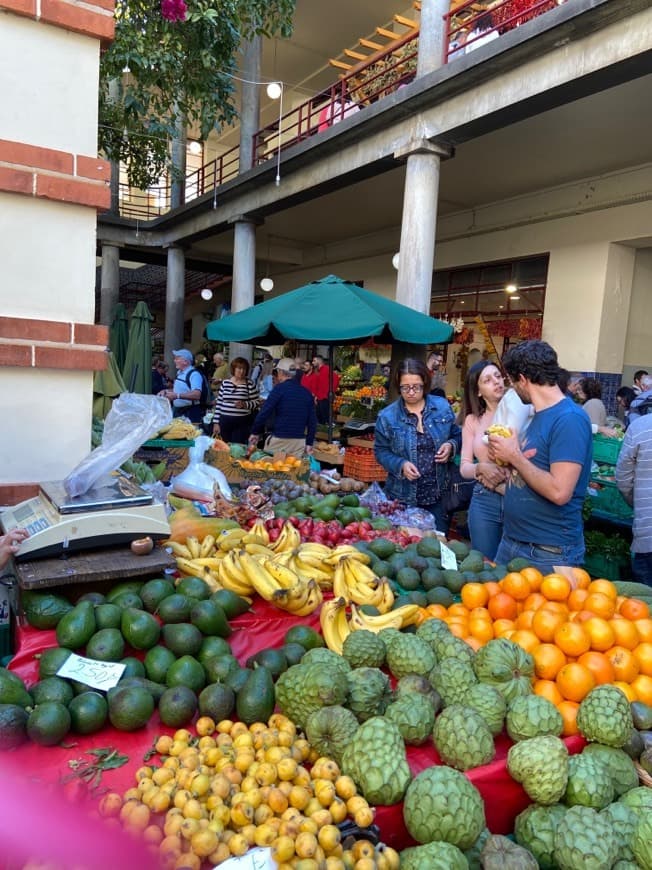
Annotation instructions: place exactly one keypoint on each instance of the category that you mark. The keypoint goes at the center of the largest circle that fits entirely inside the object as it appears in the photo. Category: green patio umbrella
(119, 334)
(137, 370)
(107, 385)
(330, 311)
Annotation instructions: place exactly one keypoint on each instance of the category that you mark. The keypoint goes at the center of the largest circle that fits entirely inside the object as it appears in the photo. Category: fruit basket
(222, 460)
(361, 464)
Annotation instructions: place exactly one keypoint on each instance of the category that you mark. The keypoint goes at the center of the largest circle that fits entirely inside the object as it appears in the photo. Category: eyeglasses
(411, 388)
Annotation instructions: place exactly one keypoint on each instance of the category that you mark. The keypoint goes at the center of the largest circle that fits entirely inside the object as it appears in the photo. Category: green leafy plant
(610, 546)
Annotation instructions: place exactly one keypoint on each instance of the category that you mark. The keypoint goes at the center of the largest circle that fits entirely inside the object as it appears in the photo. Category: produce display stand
(173, 452)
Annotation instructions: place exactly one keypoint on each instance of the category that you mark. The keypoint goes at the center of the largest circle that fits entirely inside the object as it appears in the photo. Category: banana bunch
(336, 625)
(199, 559)
(356, 583)
(289, 539)
(280, 585)
(180, 430)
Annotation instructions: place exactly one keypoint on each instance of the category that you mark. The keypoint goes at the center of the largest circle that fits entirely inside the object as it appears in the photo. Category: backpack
(206, 395)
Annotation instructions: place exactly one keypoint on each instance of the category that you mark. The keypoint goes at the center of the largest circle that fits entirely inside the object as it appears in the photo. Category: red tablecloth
(253, 631)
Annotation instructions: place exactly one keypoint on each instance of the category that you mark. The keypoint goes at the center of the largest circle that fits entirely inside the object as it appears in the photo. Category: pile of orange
(285, 464)
(579, 631)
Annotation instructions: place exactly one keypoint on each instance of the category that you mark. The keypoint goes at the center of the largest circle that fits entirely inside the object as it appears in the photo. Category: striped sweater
(230, 393)
(634, 479)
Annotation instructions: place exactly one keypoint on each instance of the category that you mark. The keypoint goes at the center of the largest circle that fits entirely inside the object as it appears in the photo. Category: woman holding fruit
(483, 390)
(415, 438)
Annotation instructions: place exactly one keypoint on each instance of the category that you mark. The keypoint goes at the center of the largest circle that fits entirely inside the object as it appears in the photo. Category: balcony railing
(371, 80)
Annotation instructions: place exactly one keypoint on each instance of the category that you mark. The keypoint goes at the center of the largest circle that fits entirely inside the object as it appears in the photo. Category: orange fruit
(600, 604)
(577, 598)
(458, 610)
(534, 601)
(606, 587)
(557, 607)
(533, 576)
(502, 626)
(492, 587)
(581, 578)
(600, 632)
(572, 639)
(526, 639)
(625, 632)
(524, 619)
(474, 642)
(459, 629)
(555, 587)
(548, 689)
(481, 629)
(575, 681)
(568, 710)
(599, 665)
(436, 611)
(548, 661)
(625, 665)
(643, 655)
(546, 622)
(627, 690)
(634, 608)
(642, 685)
(516, 585)
(644, 629)
(502, 606)
(474, 595)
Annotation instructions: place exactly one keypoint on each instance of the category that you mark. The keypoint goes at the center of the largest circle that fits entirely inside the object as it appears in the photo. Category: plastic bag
(513, 413)
(414, 518)
(132, 420)
(373, 496)
(198, 480)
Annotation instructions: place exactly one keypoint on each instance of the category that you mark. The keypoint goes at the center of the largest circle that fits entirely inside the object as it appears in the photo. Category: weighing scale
(115, 510)
(358, 425)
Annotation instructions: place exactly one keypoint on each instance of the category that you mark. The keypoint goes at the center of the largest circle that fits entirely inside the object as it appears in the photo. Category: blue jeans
(642, 568)
(485, 519)
(540, 558)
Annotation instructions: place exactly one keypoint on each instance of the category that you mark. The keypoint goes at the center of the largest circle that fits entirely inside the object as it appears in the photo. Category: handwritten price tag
(447, 557)
(254, 859)
(99, 675)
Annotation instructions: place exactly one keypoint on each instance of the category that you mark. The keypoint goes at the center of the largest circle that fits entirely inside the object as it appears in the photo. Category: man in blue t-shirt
(548, 467)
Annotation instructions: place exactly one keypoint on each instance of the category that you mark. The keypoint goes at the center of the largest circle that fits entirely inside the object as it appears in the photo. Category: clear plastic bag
(373, 496)
(198, 480)
(132, 420)
(513, 413)
(414, 518)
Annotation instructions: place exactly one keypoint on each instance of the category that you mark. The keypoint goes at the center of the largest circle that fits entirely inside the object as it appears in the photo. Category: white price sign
(99, 675)
(448, 559)
(255, 859)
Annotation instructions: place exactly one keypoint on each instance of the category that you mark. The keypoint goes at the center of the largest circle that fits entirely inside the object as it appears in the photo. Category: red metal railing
(375, 78)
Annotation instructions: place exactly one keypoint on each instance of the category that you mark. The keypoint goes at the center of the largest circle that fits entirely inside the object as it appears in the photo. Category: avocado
(331, 500)
(440, 595)
(305, 635)
(128, 586)
(182, 638)
(369, 609)
(52, 689)
(177, 706)
(94, 598)
(324, 512)
(432, 578)
(272, 659)
(175, 608)
(381, 568)
(453, 580)
(419, 563)
(383, 548)
(232, 604)
(133, 667)
(13, 726)
(293, 652)
(76, 627)
(255, 701)
(429, 546)
(157, 662)
(409, 579)
(49, 723)
(642, 715)
(139, 628)
(209, 618)
(350, 500)
(186, 671)
(518, 563)
(51, 660)
(108, 615)
(236, 678)
(193, 587)
(130, 708)
(154, 591)
(128, 599)
(13, 690)
(106, 645)
(216, 701)
(43, 610)
(381, 524)
(88, 713)
(154, 689)
(460, 549)
(218, 668)
(211, 647)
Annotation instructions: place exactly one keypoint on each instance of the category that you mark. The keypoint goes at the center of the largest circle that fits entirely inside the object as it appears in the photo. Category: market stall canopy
(119, 334)
(137, 370)
(329, 311)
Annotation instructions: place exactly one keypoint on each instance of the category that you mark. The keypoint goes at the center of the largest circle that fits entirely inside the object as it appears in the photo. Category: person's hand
(608, 432)
(309, 449)
(444, 453)
(490, 475)
(410, 471)
(10, 544)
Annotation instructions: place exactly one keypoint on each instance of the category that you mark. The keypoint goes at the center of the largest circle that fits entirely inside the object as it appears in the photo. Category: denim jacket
(395, 441)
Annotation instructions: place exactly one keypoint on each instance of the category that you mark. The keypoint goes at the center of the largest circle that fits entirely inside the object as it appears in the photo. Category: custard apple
(604, 716)
(375, 759)
(388, 636)
(589, 783)
(532, 716)
(585, 840)
(449, 646)
(620, 766)
(489, 703)
(304, 688)
(408, 654)
(535, 829)
(414, 714)
(329, 730)
(432, 629)
(435, 856)
(624, 822)
(319, 655)
(453, 678)
(442, 804)
(642, 842)
(462, 738)
(412, 683)
(364, 649)
(369, 692)
(638, 799)
(505, 665)
(500, 853)
(540, 764)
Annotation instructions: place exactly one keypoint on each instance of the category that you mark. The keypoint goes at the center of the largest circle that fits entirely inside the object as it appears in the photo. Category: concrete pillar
(178, 161)
(433, 33)
(244, 276)
(250, 100)
(174, 302)
(109, 282)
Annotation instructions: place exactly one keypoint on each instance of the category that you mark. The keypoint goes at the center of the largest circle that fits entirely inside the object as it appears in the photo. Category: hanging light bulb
(395, 260)
(274, 90)
(266, 284)
(510, 288)
(206, 294)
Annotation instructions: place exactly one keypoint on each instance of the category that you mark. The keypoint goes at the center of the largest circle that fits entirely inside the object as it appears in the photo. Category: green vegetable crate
(606, 449)
(607, 567)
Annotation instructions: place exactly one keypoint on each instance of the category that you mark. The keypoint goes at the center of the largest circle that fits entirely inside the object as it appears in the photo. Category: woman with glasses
(416, 436)
(483, 390)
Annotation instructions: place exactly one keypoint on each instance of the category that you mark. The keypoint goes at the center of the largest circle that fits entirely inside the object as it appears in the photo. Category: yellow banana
(258, 550)
(360, 620)
(314, 600)
(361, 572)
(340, 586)
(314, 547)
(232, 575)
(284, 576)
(259, 528)
(261, 580)
(343, 550)
(179, 549)
(230, 538)
(194, 546)
(329, 619)
(387, 601)
(408, 614)
(312, 571)
(289, 539)
(252, 538)
(367, 591)
(283, 558)
(207, 546)
(212, 562)
(293, 599)
(189, 566)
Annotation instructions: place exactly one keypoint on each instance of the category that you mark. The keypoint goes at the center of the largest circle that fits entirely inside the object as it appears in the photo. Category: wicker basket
(224, 462)
(363, 466)
(643, 775)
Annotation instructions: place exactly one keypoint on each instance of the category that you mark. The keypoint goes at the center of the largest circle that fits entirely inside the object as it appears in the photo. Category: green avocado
(52, 689)
(130, 707)
(48, 723)
(154, 591)
(128, 599)
(186, 671)
(193, 587)
(139, 628)
(13, 726)
(133, 586)
(175, 608)
(218, 668)
(273, 659)
(133, 667)
(211, 647)
(157, 662)
(232, 604)
(108, 615)
(106, 645)
(255, 701)
(209, 618)
(305, 635)
(216, 701)
(183, 638)
(43, 610)
(382, 548)
(76, 627)
(236, 678)
(177, 706)
(350, 500)
(88, 713)
(51, 660)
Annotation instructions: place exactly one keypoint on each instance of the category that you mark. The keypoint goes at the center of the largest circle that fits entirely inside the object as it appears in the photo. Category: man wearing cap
(186, 392)
(293, 411)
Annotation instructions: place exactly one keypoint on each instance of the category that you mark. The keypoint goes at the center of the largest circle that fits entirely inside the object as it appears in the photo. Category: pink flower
(174, 10)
